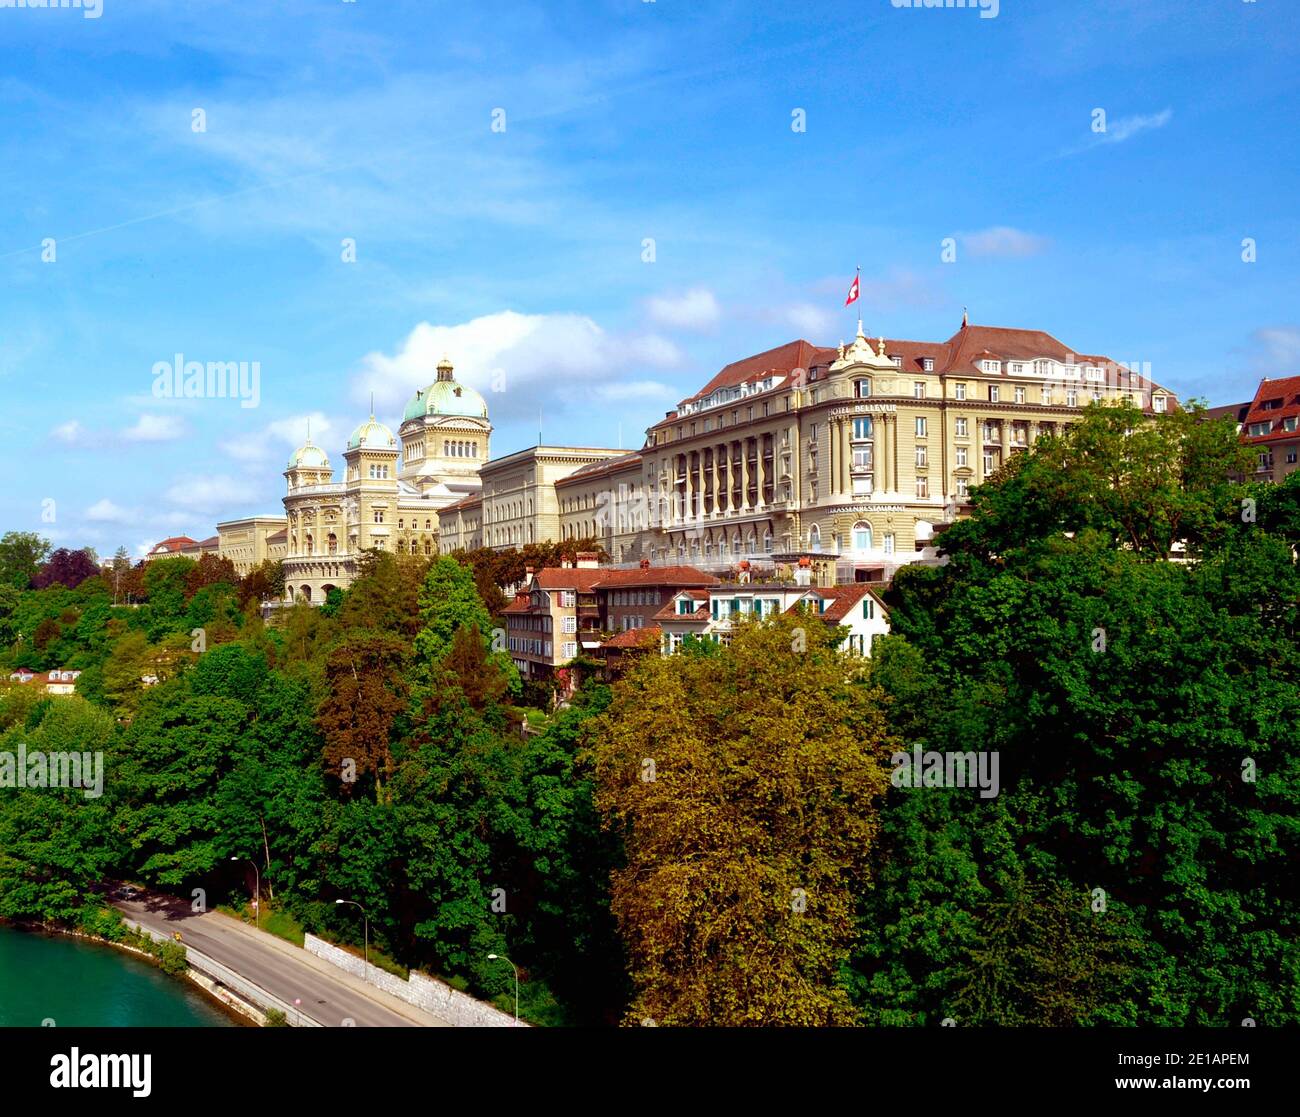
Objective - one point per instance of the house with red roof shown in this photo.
(1271, 427)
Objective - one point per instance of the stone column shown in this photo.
(744, 475)
(718, 480)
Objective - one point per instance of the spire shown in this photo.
(372, 407)
(965, 318)
(308, 430)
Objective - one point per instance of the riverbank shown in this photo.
(225, 1008)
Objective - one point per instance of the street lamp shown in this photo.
(257, 892)
(493, 958)
(366, 917)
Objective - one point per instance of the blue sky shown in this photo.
(520, 251)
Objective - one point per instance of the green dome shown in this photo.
(372, 435)
(445, 397)
(308, 456)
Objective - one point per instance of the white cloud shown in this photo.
(106, 512)
(519, 362)
(696, 309)
(637, 390)
(811, 321)
(155, 428)
(270, 443)
(207, 494)
(1275, 351)
(1129, 126)
(1002, 240)
(70, 432)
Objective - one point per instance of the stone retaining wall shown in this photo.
(437, 997)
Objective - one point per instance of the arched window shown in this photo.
(749, 543)
(332, 543)
(861, 536)
(446, 448)
(814, 538)
(428, 546)
(767, 542)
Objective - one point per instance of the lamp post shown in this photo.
(366, 917)
(502, 957)
(257, 891)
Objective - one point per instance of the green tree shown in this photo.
(745, 788)
(21, 556)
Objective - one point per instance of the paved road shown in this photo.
(327, 995)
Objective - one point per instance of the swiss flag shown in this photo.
(853, 290)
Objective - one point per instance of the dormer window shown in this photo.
(1043, 368)
(1158, 403)
(928, 364)
(898, 361)
(991, 366)
(1017, 368)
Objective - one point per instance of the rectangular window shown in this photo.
(567, 598)
(570, 650)
(918, 389)
(920, 455)
(928, 364)
(920, 425)
(922, 488)
(1047, 394)
(961, 455)
(1159, 405)
(1020, 395)
(861, 428)
(993, 393)
(963, 487)
(1071, 397)
(988, 464)
(889, 544)
(959, 391)
(962, 429)
(570, 624)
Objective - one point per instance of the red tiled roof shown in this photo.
(175, 543)
(841, 600)
(656, 576)
(1236, 410)
(582, 578)
(669, 611)
(1285, 395)
(636, 638)
(599, 468)
(471, 501)
(956, 355)
(784, 358)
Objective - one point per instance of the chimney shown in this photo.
(586, 560)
